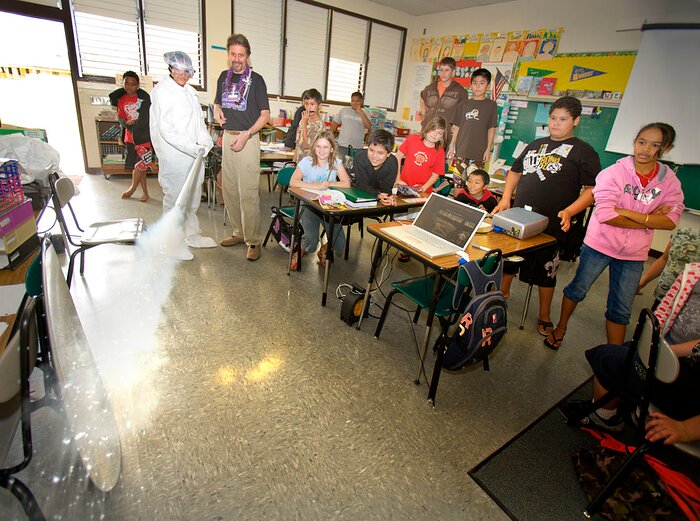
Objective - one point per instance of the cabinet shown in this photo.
(112, 152)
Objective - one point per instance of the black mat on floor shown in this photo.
(532, 476)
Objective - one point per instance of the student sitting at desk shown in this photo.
(476, 193)
(425, 157)
(375, 168)
(321, 170)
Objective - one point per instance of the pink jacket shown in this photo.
(618, 186)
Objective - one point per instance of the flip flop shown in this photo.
(556, 344)
(544, 327)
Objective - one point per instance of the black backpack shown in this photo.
(281, 229)
(484, 319)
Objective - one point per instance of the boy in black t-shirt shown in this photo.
(550, 175)
(375, 168)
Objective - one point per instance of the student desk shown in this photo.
(278, 155)
(335, 217)
(443, 267)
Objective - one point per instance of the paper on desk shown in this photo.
(10, 298)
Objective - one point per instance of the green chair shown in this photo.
(420, 291)
(284, 176)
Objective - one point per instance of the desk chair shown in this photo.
(124, 231)
(662, 366)
(16, 364)
(284, 212)
(448, 308)
(283, 177)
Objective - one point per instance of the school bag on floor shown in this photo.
(483, 321)
(281, 229)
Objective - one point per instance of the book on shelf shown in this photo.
(546, 86)
(523, 86)
(535, 87)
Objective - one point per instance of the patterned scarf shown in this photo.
(235, 95)
(675, 299)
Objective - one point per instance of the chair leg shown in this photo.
(347, 244)
(416, 316)
(385, 312)
(361, 224)
(526, 305)
(25, 497)
(71, 267)
(610, 486)
(82, 262)
(267, 237)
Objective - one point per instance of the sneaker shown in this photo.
(183, 254)
(575, 408)
(253, 253)
(231, 241)
(197, 241)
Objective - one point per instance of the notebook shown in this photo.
(444, 226)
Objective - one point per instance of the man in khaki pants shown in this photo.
(242, 108)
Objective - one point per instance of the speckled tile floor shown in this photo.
(246, 399)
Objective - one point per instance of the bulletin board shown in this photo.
(608, 72)
(521, 126)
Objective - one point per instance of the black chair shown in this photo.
(661, 365)
(16, 364)
(124, 231)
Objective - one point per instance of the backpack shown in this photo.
(484, 320)
(281, 229)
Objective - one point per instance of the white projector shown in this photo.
(520, 223)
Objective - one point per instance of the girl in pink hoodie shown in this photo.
(633, 197)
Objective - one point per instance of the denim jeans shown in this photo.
(311, 223)
(624, 280)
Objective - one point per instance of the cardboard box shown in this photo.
(13, 240)
(12, 219)
(14, 259)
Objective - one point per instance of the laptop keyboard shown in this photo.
(428, 238)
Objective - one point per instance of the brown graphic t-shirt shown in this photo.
(474, 119)
(443, 105)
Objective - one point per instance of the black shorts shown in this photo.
(131, 156)
(538, 268)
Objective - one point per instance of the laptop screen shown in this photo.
(449, 219)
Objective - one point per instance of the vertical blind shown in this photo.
(347, 56)
(385, 46)
(110, 39)
(305, 55)
(257, 21)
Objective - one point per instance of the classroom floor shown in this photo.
(251, 401)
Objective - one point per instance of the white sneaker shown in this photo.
(197, 241)
(182, 254)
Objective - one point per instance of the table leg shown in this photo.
(373, 270)
(295, 238)
(429, 323)
(329, 258)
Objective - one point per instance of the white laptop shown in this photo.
(444, 226)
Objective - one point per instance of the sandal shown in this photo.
(556, 342)
(322, 255)
(404, 257)
(544, 327)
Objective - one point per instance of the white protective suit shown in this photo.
(177, 133)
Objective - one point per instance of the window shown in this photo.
(305, 55)
(321, 47)
(258, 24)
(346, 65)
(118, 35)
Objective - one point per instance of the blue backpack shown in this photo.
(484, 320)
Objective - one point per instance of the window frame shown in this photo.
(141, 25)
(331, 11)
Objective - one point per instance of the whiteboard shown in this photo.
(664, 86)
